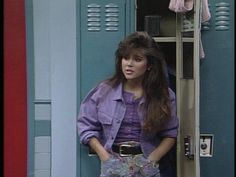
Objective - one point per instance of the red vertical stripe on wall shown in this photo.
(15, 93)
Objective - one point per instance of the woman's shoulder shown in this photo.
(104, 86)
(99, 90)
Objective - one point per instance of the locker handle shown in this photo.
(188, 147)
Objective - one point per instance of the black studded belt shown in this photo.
(127, 149)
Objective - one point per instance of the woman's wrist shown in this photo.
(104, 156)
(153, 158)
(99, 149)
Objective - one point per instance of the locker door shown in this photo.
(102, 24)
(217, 72)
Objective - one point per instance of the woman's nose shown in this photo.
(130, 62)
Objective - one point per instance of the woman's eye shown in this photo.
(138, 59)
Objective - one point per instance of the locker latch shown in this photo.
(188, 147)
(206, 145)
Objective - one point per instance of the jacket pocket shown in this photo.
(104, 118)
(106, 122)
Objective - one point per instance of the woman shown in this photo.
(130, 119)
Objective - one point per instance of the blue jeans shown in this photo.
(131, 166)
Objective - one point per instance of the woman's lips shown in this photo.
(129, 71)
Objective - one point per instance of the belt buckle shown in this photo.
(120, 150)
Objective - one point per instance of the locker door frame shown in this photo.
(187, 167)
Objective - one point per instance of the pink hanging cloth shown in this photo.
(205, 15)
(181, 5)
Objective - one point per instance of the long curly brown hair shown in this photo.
(155, 84)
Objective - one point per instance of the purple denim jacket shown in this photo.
(101, 114)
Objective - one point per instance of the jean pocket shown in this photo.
(151, 170)
(114, 167)
(147, 167)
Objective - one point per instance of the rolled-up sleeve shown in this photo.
(88, 125)
(171, 129)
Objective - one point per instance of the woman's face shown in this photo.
(134, 66)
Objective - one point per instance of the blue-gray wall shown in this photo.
(52, 100)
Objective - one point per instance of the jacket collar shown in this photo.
(118, 94)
